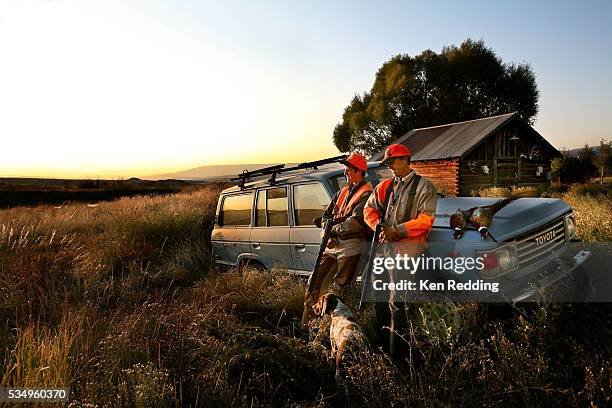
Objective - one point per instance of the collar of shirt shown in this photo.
(355, 187)
(404, 180)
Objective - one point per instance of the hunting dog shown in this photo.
(344, 330)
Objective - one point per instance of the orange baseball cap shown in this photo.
(356, 160)
(395, 150)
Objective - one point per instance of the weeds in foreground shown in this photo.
(120, 302)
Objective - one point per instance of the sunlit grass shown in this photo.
(121, 303)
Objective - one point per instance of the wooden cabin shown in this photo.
(460, 158)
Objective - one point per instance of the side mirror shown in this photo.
(317, 221)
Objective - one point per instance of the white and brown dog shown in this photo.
(344, 330)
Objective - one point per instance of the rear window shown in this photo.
(309, 202)
(236, 210)
(374, 175)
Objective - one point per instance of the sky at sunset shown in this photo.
(110, 88)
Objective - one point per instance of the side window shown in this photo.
(260, 213)
(236, 210)
(374, 175)
(309, 202)
(338, 182)
(278, 213)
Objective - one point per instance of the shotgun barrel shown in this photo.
(367, 273)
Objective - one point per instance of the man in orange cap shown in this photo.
(341, 257)
(406, 206)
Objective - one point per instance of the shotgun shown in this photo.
(315, 272)
(367, 273)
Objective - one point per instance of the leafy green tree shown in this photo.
(461, 83)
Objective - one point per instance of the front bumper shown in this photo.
(551, 278)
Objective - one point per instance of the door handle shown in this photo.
(300, 247)
(256, 245)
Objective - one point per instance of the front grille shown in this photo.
(541, 242)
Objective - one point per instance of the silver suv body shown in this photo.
(270, 224)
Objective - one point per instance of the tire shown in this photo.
(251, 264)
(580, 288)
(576, 287)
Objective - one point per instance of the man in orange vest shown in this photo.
(341, 257)
(408, 202)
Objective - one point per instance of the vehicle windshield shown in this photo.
(374, 175)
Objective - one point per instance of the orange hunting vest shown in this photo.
(345, 208)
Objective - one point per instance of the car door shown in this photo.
(270, 234)
(231, 238)
(309, 201)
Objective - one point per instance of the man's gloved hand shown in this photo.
(332, 243)
(389, 233)
(336, 230)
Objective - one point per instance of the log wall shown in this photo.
(473, 175)
(502, 172)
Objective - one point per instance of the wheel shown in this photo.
(579, 285)
(251, 264)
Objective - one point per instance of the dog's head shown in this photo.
(325, 305)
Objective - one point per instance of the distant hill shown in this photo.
(576, 151)
(209, 173)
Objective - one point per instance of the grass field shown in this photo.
(16, 192)
(121, 303)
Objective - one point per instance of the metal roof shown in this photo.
(447, 141)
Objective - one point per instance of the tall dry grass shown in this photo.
(591, 204)
(121, 303)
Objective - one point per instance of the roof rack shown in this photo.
(280, 168)
(245, 175)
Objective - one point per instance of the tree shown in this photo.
(565, 152)
(573, 169)
(461, 83)
(587, 153)
(604, 159)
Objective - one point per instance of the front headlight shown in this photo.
(507, 259)
(570, 226)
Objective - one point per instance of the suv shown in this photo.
(271, 222)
